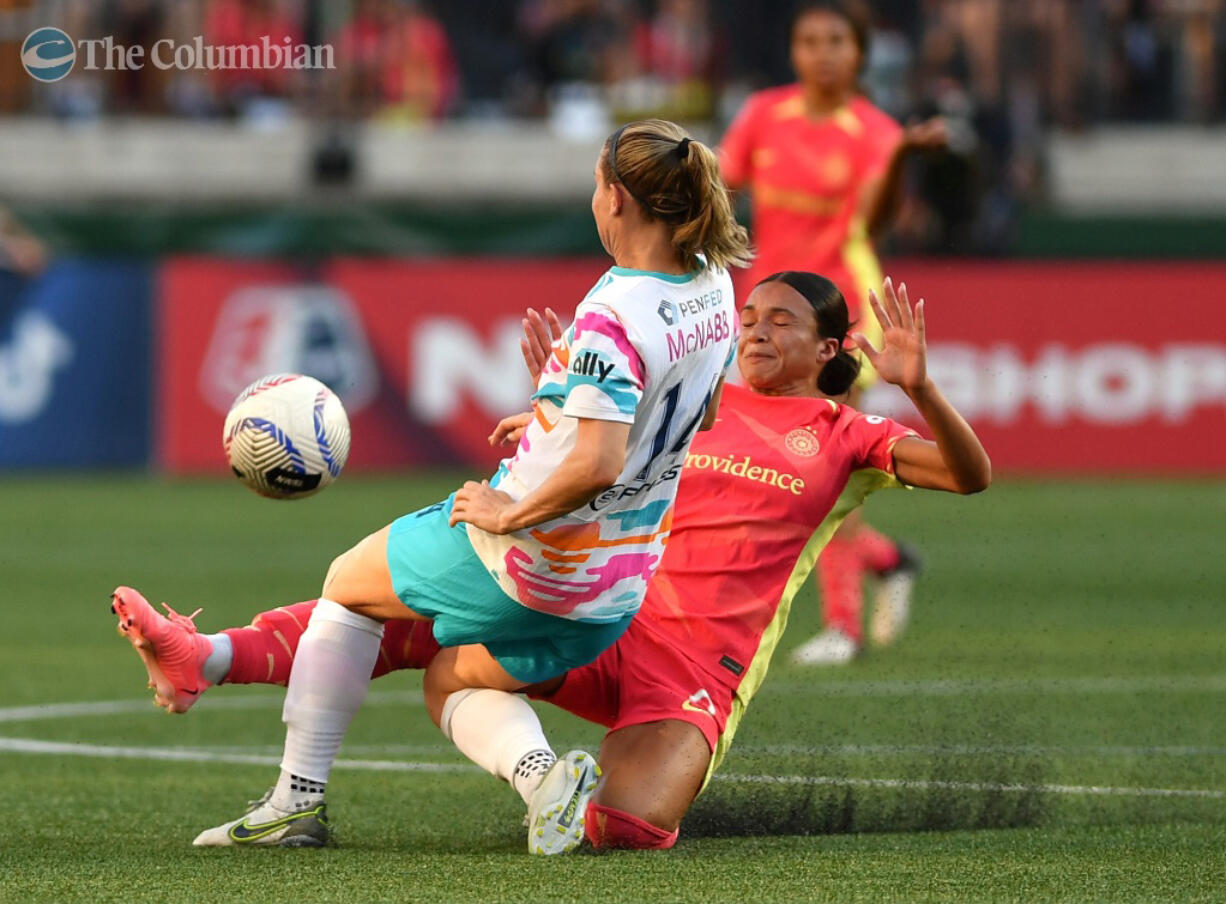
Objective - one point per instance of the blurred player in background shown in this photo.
(541, 568)
(762, 491)
(823, 168)
(20, 252)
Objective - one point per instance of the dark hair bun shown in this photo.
(838, 374)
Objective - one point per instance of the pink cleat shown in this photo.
(171, 649)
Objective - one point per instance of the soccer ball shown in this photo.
(286, 436)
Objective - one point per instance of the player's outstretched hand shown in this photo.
(510, 429)
(540, 333)
(480, 505)
(903, 357)
(930, 135)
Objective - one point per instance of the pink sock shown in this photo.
(877, 551)
(608, 828)
(406, 645)
(264, 650)
(840, 574)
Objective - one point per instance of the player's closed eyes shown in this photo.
(783, 320)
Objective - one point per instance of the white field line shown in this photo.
(51, 711)
(360, 750)
(191, 755)
(187, 755)
(740, 751)
(973, 750)
(234, 756)
(958, 687)
(897, 688)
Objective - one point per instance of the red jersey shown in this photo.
(760, 495)
(805, 177)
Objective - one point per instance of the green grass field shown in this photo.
(1051, 728)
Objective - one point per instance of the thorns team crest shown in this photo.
(802, 441)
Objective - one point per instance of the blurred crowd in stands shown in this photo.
(1003, 72)
(1064, 61)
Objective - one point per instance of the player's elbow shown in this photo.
(600, 468)
(608, 468)
(977, 479)
(599, 456)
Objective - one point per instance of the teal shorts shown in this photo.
(436, 573)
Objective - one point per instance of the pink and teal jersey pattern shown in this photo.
(645, 349)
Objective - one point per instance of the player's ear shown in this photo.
(617, 198)
(826, 350)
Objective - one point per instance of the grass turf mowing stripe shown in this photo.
(959, 687)
(900, 688)
(994, 787)
(177, 754)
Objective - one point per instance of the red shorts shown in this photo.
(645, 678)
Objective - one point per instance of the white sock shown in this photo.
(500, 733)
(293, 792)
(217, 666)
(327, 685)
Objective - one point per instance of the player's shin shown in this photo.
(263, 651)
(840, 573)
(501, 733)
(330, 677)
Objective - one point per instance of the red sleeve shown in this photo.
(736, 150)
(872, 439)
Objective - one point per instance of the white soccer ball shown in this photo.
(286, 436)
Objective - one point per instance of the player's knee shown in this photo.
(333, 570)
(611, 829)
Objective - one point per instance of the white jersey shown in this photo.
(646, 349)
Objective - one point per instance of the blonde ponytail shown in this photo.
(677, 179)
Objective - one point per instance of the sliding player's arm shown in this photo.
(957, 461)
(540, 334)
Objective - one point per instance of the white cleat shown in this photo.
(831, 647)
(892, 602)
(557, 812)
(265, 824)
(891, 608)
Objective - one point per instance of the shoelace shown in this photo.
(253, 804)
(183, 621)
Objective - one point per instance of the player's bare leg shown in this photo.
(652, 773)
(361, 581)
